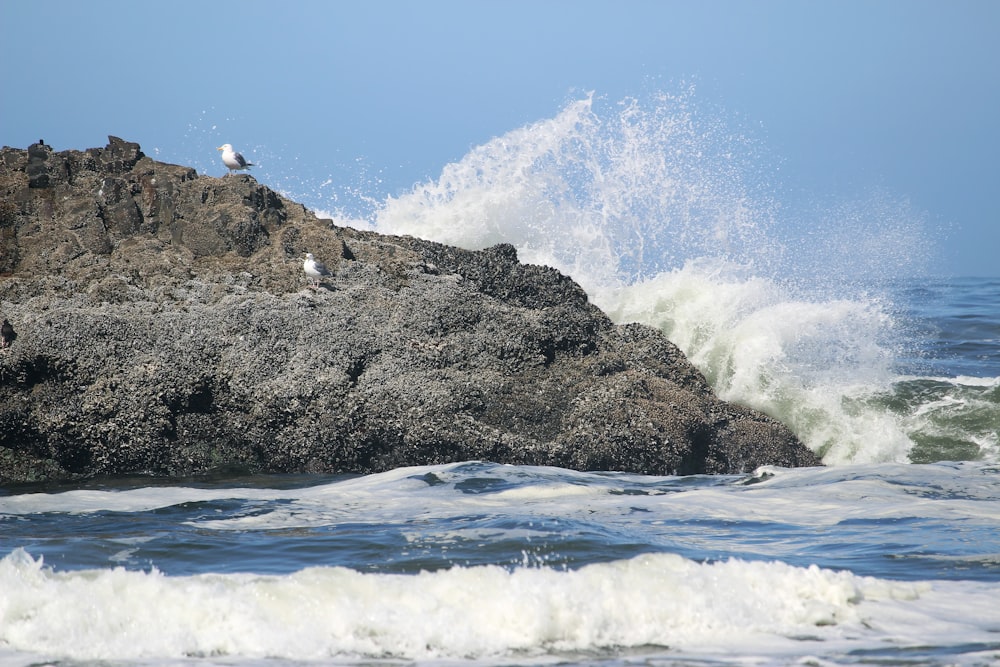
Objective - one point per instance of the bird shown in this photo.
(316, 270)
(232, 159)
(7, 334)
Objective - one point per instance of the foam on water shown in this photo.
(655, 600)
(945, 491)
(808, 361)
(746, 567)
(473, 513)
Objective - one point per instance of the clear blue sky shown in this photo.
(848, 95)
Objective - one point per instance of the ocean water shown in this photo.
(832, 320)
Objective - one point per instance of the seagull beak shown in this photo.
(219, 148)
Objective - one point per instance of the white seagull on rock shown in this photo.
(316, 270)
(232, 159)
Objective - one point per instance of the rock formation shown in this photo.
(165, 326)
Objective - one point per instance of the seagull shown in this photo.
(232, 159)
(7, 334)
(315, 270)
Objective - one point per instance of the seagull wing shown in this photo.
(321, 268)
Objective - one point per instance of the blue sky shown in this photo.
(847, 96)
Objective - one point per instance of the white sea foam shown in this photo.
(808, 497)
(479, 612)
(810, 362)
(404, 493)
(656, 604)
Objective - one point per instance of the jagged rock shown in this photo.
(165, 327)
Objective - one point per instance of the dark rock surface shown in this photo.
(165, 327)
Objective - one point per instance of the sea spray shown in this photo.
(659, 212)
(811, 363)
(607, 195)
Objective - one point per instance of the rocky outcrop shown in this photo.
(165, 327)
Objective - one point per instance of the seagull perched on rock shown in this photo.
(232, 159)
(316, 270)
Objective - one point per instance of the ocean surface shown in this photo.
(832, 320)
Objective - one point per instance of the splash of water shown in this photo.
(808, 362)
(662, 215)
(609, 196)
